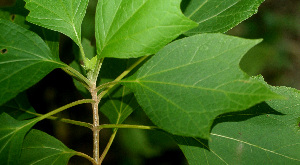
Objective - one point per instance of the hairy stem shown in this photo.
(79, 75)
(95, 123)
(111, 139)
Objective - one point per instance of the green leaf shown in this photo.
(63, 16)
(24, 60)
(17, 14)
(131, 28)
(12, 133)
(120, 102)
(19, 107)
(191, 81)
(259, 135)
(41, 148)
(218, 15)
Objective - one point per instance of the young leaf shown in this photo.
(63, 16)
(18, 108)
(218, 15)
(120, 102)
(260, 135)
(131, 28)
(12, 133)
(191, 81)
(41, 148)
(24, 60)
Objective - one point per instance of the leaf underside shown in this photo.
(191, 81)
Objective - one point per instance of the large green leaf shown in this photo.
(24, 60)
(218, 15)
(120, 102)
(41, 148)
(191, 81)
(64, 16)
(259, 135)
(17, 14)
(131, 28)
(12, 133)
(19, 107)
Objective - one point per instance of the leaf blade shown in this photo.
(125, 29)
(219, 16)
(26, 60)
(41, 148)
(65, 17)
(191, 81)
(266, 133)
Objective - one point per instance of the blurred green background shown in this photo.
(277, 58)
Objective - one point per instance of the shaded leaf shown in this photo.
(12, 133)
(24, 60)
(63, 16)
(19, 107)
(17, 14)
(259, 135)
(191, 81)
(130, 28)
(41, 148)
(120, 102)
(218, 15)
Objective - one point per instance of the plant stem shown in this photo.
(95, 123)
(127, 126)
(128, 70)
(69, 121)
(86, 156)
(64, 108)
(111, 139)
(79, 75)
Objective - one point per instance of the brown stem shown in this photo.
(95, 127)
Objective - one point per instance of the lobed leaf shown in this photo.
(24, 60)
(41, 148)
(12, 133)
(265, 134)
(130, 28)
(64, 16)
(218, 15)
(193, 80)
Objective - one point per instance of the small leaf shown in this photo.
(41, 148)
(19, 107)
(191, 81)
(63, 16)
(265, 134)
(131, 28)
(12, 133)
(27, 60)
(218, 15)
(120, 102)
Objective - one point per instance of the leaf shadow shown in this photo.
(257, 110)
